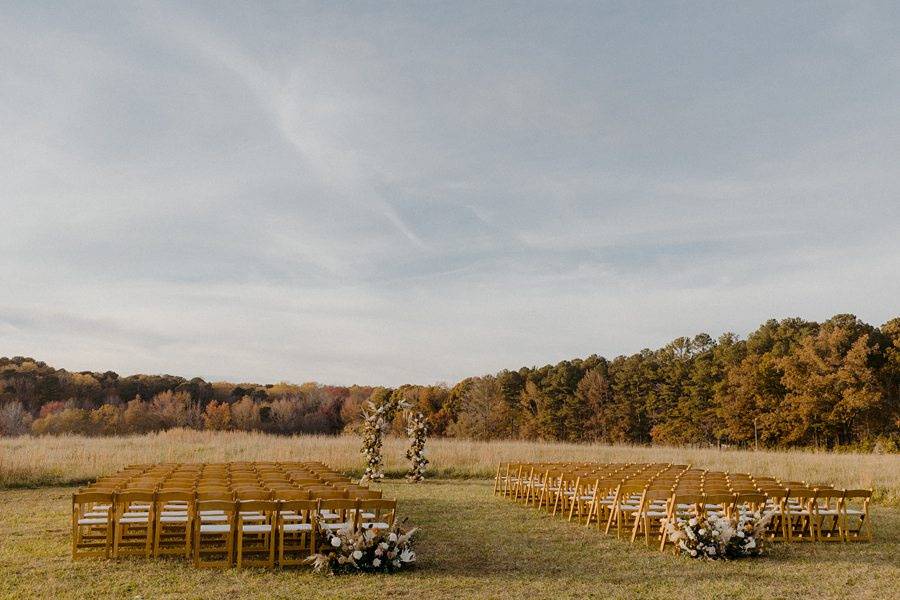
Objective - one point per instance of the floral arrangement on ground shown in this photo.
(716, 537)
(367, 551)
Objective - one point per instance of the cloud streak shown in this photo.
(377, 194)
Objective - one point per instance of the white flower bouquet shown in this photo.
(367, 551)
(714, 537)
(749, 534)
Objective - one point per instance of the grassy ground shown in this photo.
(471, 545)
(29, 461)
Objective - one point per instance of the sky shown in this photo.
(416, 192)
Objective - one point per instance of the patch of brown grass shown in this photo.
(35, 461)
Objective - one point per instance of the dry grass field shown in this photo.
(472, 545)
(30, 461)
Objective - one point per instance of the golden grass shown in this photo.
(471, 545)
(30, 461)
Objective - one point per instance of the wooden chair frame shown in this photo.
(256, 539)
(92, 529)
(214, 538)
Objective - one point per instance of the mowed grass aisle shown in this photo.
(471, 545)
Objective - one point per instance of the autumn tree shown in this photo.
(831, 382)
(245, 414)
(14, 419)
(484, 412)
(217, 416)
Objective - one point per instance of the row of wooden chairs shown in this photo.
(153, 511)
(639, 496)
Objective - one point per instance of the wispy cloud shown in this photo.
(382, 194)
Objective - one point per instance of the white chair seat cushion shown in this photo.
(655, 514)
(204, 513)
(173, 519)
(133, 520)
(253, 518)
(213, 518)
(215, 528)
(102, 507)
(96, 513)
(336, 526)
(291, 517)
(628, 508)
(92, 521)
(378, 525)
(134, 514)
(853, 511)
(295, 527)
(828, 511)
(256, 528)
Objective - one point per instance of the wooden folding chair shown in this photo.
(256, 540)
(513, 484)
(718, 503)
(776, 500)
(682, 505)
(563, 491)
(580, 496)
(825, 515)
(92, 524)
(134, 524)
(799, 518)
(214, 537)
(625, 506)
(856, 524)
(652, 509)
(364, 494)
(173, 523)
(338, 513)
(377, 514)
(297, 531)
(500, 478)
(602, 501)
(748, 502)
(527, 485)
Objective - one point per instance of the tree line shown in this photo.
(790, 383)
